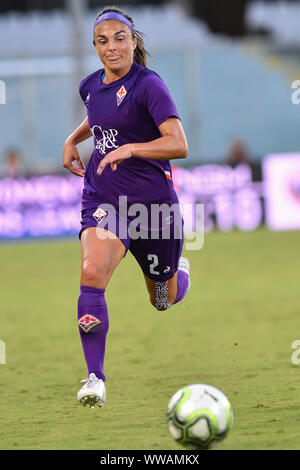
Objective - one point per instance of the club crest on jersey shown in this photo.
(99, 214)
(87, 322)
(121, 95)
(88, 99)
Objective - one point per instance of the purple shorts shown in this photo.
(155, 244)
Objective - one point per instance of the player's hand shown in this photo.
(114, 158)
(71, 159)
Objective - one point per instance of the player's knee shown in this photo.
(93, 274)
(162, 307)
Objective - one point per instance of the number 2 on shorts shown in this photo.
(154, 259)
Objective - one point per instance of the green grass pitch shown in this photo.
(234, 332)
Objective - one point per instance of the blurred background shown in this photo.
(232, 68)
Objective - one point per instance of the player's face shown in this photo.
(114, 45)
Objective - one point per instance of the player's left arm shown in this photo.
(172, 144)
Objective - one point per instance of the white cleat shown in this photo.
(93, 393)
(184, 266)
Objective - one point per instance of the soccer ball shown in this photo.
(199, 416)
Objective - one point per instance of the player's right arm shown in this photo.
(71, 158)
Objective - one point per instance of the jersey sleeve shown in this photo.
(155, 97)
(86, 84)
(81, 89)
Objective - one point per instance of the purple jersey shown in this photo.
(128, 110)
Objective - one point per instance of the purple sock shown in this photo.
(93, 325)
(182, 285)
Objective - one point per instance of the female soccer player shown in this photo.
(136, 131)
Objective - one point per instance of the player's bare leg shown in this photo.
(164, 294)
(101, 253)
(100, 256)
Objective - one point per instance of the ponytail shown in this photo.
(140, 53)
